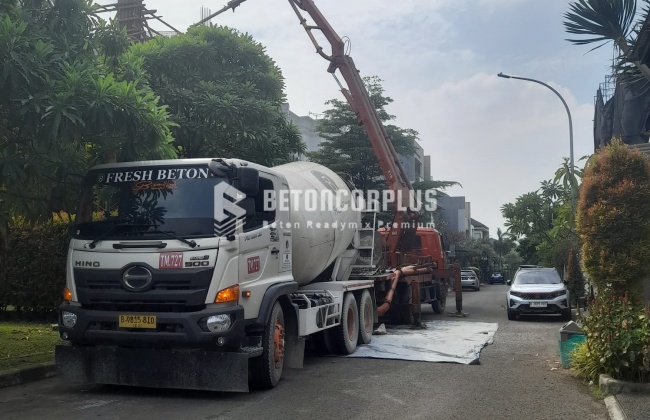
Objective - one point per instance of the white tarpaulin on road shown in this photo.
(442, 341)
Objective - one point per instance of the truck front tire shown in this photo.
(266, 370)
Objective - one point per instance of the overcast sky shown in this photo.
(439, 60)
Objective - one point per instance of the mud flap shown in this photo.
(155, 368)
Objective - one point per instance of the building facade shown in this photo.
(456, 214)
(479, 230)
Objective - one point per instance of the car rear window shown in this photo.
(538, 277)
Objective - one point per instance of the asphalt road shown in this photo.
(519, 378)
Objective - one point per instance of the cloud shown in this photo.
(499, 138)
(439, 59)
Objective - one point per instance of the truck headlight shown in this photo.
(218, 323)
(68, 319)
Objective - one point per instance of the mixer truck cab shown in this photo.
(192, 273)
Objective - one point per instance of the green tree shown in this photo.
(614, 217)
(545, 217)
(62, 109)
(478, 253)
(346, 147)
(570, 181)
(527, 249)
(602, 21)
(512, 260)
(224, 92)
(502, 245)
(531, 215)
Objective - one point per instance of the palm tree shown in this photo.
(502, 245)
(604, 21)
(550, 191)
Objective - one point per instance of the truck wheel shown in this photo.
(366, 318)
(347, 334)
(266, 369)
(441, 299)
(324, 342)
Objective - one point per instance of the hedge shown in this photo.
(34, 273)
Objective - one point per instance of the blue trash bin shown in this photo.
(570, 336)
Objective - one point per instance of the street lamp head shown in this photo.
(505, 76)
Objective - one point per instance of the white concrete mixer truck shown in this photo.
(189, 273)
(212, 273)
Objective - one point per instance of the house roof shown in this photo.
(478, 224)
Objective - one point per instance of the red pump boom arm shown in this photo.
(404, 225)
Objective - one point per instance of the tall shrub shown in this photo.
(614, 218)
(618, 339)
(575, 277)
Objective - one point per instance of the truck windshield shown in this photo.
(147, 202)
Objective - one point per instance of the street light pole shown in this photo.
(507, 76)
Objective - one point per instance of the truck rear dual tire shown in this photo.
(366, 318)
(346, 335)
(266, 370)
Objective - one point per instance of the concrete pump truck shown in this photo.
(180, 275)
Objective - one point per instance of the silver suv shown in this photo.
(538, 290)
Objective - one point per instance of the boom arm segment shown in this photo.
(357, 96)
(403, 230)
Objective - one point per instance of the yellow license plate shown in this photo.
(137, 321)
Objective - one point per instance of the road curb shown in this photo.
(614, 409)
(612, 386)
(11, 377)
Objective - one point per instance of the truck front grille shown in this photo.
(170, 290)
(162, 284)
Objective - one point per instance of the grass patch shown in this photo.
(23, 344)
(596, 392)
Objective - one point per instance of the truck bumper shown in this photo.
(173, 329)
(156, 368)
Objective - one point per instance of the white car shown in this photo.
(468, 278)
(538, 291)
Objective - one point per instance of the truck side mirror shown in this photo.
(248, 180)
(508, 282)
